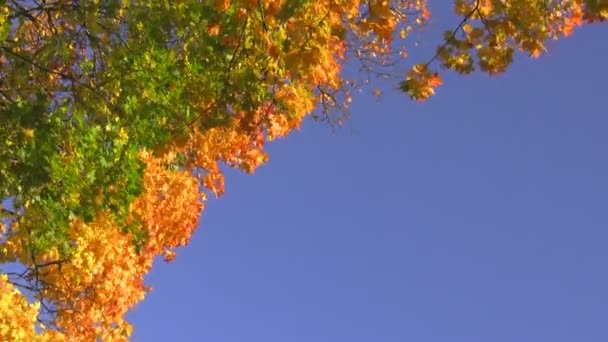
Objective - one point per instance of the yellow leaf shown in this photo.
(28, 133)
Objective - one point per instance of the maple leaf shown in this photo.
(113, 135)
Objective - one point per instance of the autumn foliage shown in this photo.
(117, 116)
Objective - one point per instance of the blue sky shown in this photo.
(480, 215)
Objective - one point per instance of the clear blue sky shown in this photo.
(481, 215)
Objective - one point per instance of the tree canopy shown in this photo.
(115, 117)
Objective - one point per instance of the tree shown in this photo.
(116, 115)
